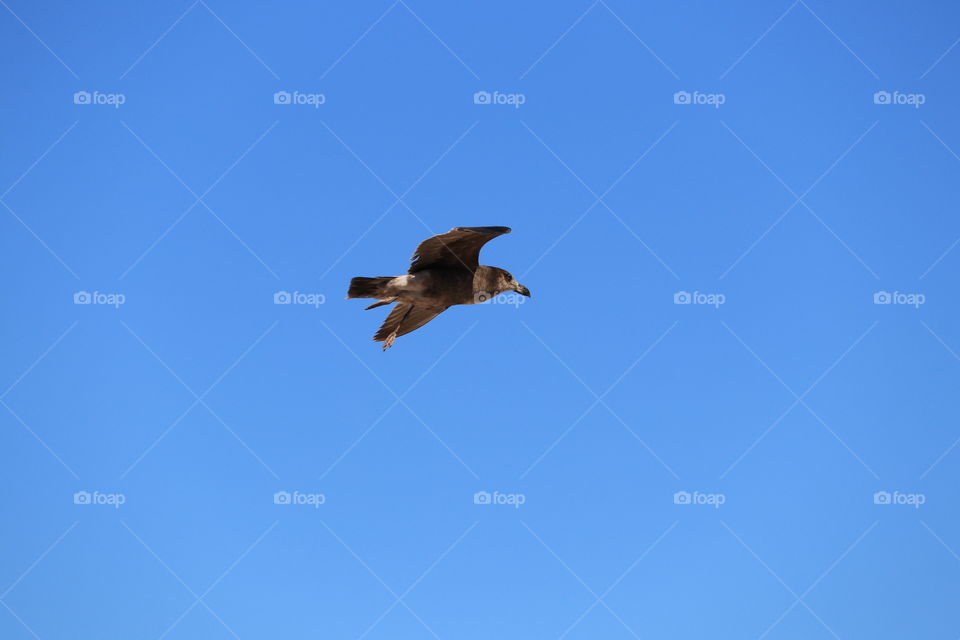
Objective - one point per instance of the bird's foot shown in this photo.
(389, 341)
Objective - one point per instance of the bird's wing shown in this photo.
(457, 248)
(396, 322)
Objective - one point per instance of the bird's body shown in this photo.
(440, 287)
(444, 272)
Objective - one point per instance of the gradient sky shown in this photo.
(149, 171)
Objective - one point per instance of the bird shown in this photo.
(445, 270)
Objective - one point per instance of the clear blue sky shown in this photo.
(147, 164)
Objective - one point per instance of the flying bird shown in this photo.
(445, 270)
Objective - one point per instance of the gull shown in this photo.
(445, 270)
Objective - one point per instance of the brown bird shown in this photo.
(445, 270)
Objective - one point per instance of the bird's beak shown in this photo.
(522, 290)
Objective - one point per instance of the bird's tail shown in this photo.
(369, 287)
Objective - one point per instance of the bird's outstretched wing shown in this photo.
(403, 319)
(457, 248)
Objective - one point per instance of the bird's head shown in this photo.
(506, 282)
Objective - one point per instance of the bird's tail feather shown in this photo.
(368, 287)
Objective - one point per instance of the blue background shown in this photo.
(198, 398)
